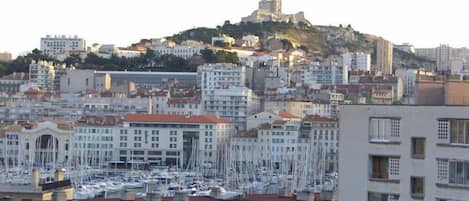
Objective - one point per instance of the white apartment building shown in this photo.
(160, 101)
(222, 75)
(233, 103)
(174, 140)
(10, 145)
(308, 144)
(93, 140)
(316, 75)
(357, 61)
(184, 106)
(183, 51)
(42, 75)
(321, 136)
(121, 105)
(403, 153)
(300, 108)
(52, 46)
(128, 53)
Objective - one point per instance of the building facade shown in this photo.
(5, 56)
(316, 75)
(403, 152)
(74, 81)
(222, 75)
(52, 46)
(174, 140)
(358, 61)
(42, 75)
(384, 56)
(234, 104)
(443, 58)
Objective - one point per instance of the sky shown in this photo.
(423, 23)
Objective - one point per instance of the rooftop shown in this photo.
(317, 118)
(174, 118)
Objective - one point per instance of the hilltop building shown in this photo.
(271, 11)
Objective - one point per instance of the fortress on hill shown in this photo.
(271, 11)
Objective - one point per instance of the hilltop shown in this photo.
(320, 40)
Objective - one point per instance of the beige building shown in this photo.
(299, 107)
(405, 153)
(5, 56)
(384, 54)
(74, 81)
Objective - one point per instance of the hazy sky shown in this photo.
(424, 23)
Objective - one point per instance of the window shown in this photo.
(418, 148)
(459, 172)
(443, 130)
(379, 167)
(442, 170)
(372, 196)
(459, 131)
(384, 167)
(381, 129)
(417, 187)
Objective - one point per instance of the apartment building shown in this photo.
(52, 46)
(299, 107)
(357, 61)
(185, 51)
(174, 140)
(42, 75)
(401, 152)
(93, 140)
(234, 104)
(444, 56)
(282, 143)
(384, 56)
(222, 75)
(318, 74)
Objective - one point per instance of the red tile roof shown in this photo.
(286, 115)
(174, 118)
(317, 118)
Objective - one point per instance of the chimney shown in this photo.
(59, 196)
(153, 196)
(128, 195)
(181, 196)
(59, 175)
(35, 178)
